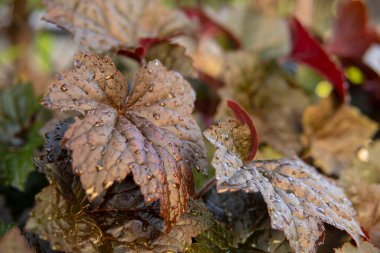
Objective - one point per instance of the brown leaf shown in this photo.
(334, 134)
(104, 25)
(364, 248)
(299, 199)
(146, 130)
(260, 87)
(173, 57)
(362, 184)
(14, 242)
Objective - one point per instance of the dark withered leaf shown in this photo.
(122, 223)
(246, 216)
(299, 200)
(14, 242)
(55, 163)
(105, 25)
(334, 134)
(64, 224)
(148, 131)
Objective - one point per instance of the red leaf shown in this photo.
(308, 51)
(209, 26)
(243, 117)
(352, 35)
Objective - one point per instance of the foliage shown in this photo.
(126, 165)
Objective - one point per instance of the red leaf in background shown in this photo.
(352, 35)
(209, 26)
(243, 117)
(307, 50)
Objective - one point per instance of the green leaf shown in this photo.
(20, 121)
(4, 227)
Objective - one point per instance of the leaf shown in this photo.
(334, 134)
(13, 242)
(259, 87)
(245, 215)
(299, 200)
(364, 248)
(4, 227)
(122, 223)
(352, 34)
(362, 184)
(173, 57)
(104, 25)
(20, 121)
(253, 28)
(306, 50)
(146, 130)
(55, 162)
(65, 225)
(244, 118)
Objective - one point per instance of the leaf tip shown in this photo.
(244, 118)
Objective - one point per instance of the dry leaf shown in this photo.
(362, 184)
(364, 248)
(173, 57)
(334, 134)
(104, 25)
(260, 88)
(14, 242)
(146, 130)
(299, 199)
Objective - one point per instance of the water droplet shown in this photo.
(156, 116)
(156, 62)
(149, 177)
(64, 87)
(137, 152)
(107, 185)
(147, 104)
(176, 103)
(175, 185)
(59, 77)
(109, 77)
(150, 88)
(99, 168)
(321, 210)
(180, 118)
(77, 64)
(118, 161)
(101, 70)
(99, 123)
(76, 78)
(161, 104)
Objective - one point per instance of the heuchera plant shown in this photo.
(122, 167)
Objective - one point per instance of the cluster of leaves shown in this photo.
(121, 167)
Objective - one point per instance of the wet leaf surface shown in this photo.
(146, 130)
(299, 200)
